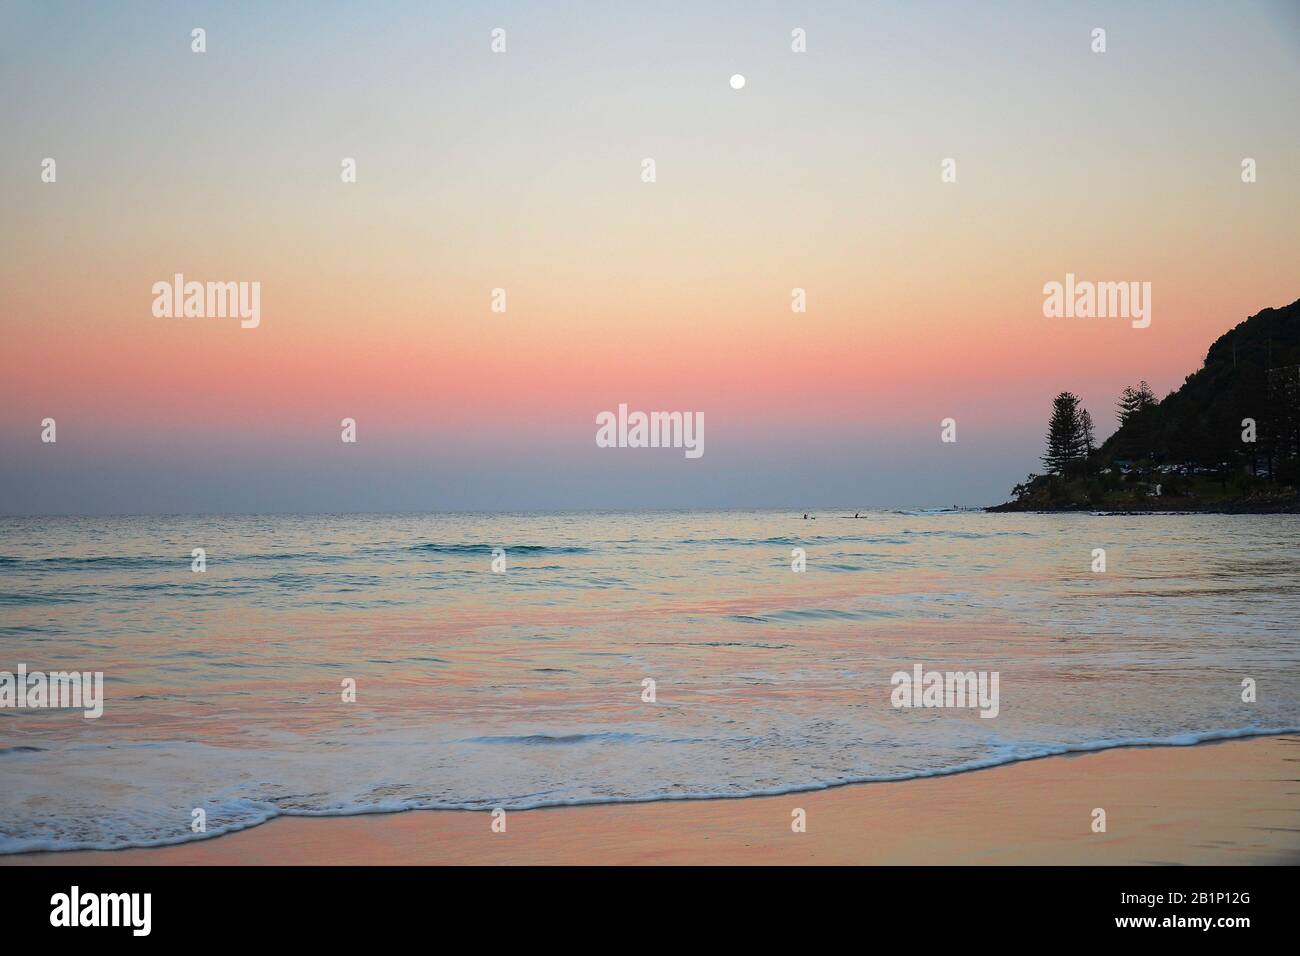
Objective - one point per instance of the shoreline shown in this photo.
(1289, 507)
(1223, 801)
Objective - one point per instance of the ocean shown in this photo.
(225, 689)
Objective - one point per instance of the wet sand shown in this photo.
(1235, 802)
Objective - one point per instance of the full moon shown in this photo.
(737, 81)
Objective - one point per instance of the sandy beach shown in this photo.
(1235, 802)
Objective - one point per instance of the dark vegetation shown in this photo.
(1228, 439)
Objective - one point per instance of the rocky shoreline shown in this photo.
(1289, 504)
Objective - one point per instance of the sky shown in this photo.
(522, 170)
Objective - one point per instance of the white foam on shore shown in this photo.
(259, 812)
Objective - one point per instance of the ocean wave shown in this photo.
(123, 562)
(256, 812)
(828, 614)
(486, 549)
(20, 600)
(542, 740)
(146, 562)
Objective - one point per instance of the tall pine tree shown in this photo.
(1087, 437)
(1133, 400)
(1066, 441)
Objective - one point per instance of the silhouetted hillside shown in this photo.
(1250, 372)
(1227, 439)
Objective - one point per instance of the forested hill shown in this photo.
(1249, 372)
(1228, 439)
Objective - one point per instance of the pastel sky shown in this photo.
(522, 170)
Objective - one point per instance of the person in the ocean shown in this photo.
(805, 516)
(856, 515)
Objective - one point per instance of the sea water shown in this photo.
(224, 690)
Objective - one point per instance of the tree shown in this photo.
(1025, 489)
(1088, 435)
(1066, 443)
(1133, 400)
